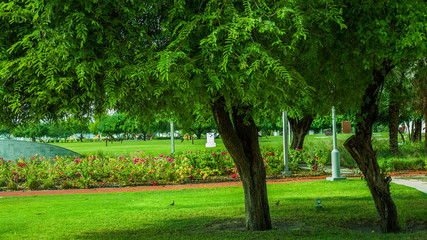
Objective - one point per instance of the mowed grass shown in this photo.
(164, 146)
(154, 147)
(212, 213)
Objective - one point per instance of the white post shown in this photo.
(285, 143)
(172, 139)
(335, 155)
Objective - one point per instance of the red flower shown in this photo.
(315, 167)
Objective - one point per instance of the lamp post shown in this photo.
(285, 143)
(335, 155)
(172, 139)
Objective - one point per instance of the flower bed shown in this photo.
(139, 169)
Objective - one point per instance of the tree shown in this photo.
(77, 126)
(380, 36)
(5, 131)
(418, 85)
(199, 121)
(82, 57)
(59, 130)
(32, 131)
(111, 125)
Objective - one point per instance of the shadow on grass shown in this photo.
(234, 229)
(339, 219)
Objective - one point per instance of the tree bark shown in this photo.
(393, 117)
(360, 148)
(416, 133)
(300, 128)
(425, 132)
(240, 136)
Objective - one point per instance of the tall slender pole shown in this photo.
(285, 143)
(172, 139)
(335, 154)
(289, 131)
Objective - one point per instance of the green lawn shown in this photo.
(216, 213)
(164, 146)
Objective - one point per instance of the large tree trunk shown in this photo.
(360, 148)
(416, 133)
(393, 117)
(240, 136)
(300, 128)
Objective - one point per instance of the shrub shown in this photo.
(12, 186)
(33, 184)
(67, 184)
(3, 182)
(49, 183)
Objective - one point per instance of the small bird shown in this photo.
(277, 204)
(173, 203)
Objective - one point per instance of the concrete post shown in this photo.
(172, 139)
(285, 143)
(335, 154)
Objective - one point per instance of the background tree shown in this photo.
(418, 86)
(77, 126)
(111, 126)
(5, 131)
(33, 131)
(59, 131)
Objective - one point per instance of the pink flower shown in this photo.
(265, 167)
(154, 183)
(161, 155)
(234, 175)
(223, 153)
(214, 154)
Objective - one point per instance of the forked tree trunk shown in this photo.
(240, 136)
(300, 128)
(393, 118)
(360, 148)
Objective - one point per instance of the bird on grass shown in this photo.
(173, 203)
(277, 203)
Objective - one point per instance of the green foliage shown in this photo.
(12, 186)
(33, 183)
(31, 131)
(67, 184)
(49, 183)
(3, 182)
